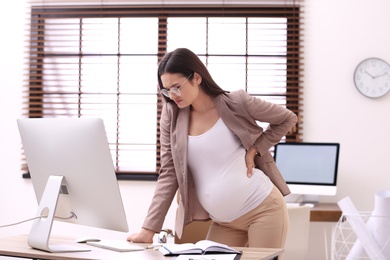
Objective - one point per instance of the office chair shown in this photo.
(193, 232)
(297, 241)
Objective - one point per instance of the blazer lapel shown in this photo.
(231, 121)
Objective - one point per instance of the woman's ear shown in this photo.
(197, 78)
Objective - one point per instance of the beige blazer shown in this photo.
(239, 111)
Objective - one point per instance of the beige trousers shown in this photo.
(264, 226)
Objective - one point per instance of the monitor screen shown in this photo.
(309, 168)
(72, 174)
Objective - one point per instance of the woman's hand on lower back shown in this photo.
(250, 160)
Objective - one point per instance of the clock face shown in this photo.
(372, 77)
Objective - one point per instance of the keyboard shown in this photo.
(116, 245)
(293, 204)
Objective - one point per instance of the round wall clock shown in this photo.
(372, 77)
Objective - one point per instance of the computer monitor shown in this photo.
(73, 177)
(310, 169)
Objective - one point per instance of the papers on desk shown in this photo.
(116, 245)
(207, 257)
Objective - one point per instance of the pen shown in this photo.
(200, 259)
(151, 246)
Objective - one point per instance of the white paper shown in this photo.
(360, 229)
(207, 257)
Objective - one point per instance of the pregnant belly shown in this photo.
(226, 197)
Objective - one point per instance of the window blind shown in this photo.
(101, 61)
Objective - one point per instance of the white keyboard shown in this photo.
(117, 245)
(293, 204)
(298, 204)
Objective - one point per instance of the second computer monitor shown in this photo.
(309, 168)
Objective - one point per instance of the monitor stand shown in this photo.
(311, 199)
(300, 199)
(41, 228)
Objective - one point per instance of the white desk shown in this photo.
(16, 246)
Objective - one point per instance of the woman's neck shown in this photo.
(202, 104)
(203, 115)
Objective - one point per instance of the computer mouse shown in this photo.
(87, 239)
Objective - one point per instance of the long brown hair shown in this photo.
(186, 62)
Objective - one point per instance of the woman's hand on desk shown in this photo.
(144, 236)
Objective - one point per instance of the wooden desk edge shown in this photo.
(16, 246)
(325, 212)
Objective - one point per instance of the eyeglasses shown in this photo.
(174, 90)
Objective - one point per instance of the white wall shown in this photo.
(338, 35)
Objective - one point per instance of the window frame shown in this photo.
(294, 95)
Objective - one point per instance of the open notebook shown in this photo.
(201, 247)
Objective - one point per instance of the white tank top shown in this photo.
(217, 162)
